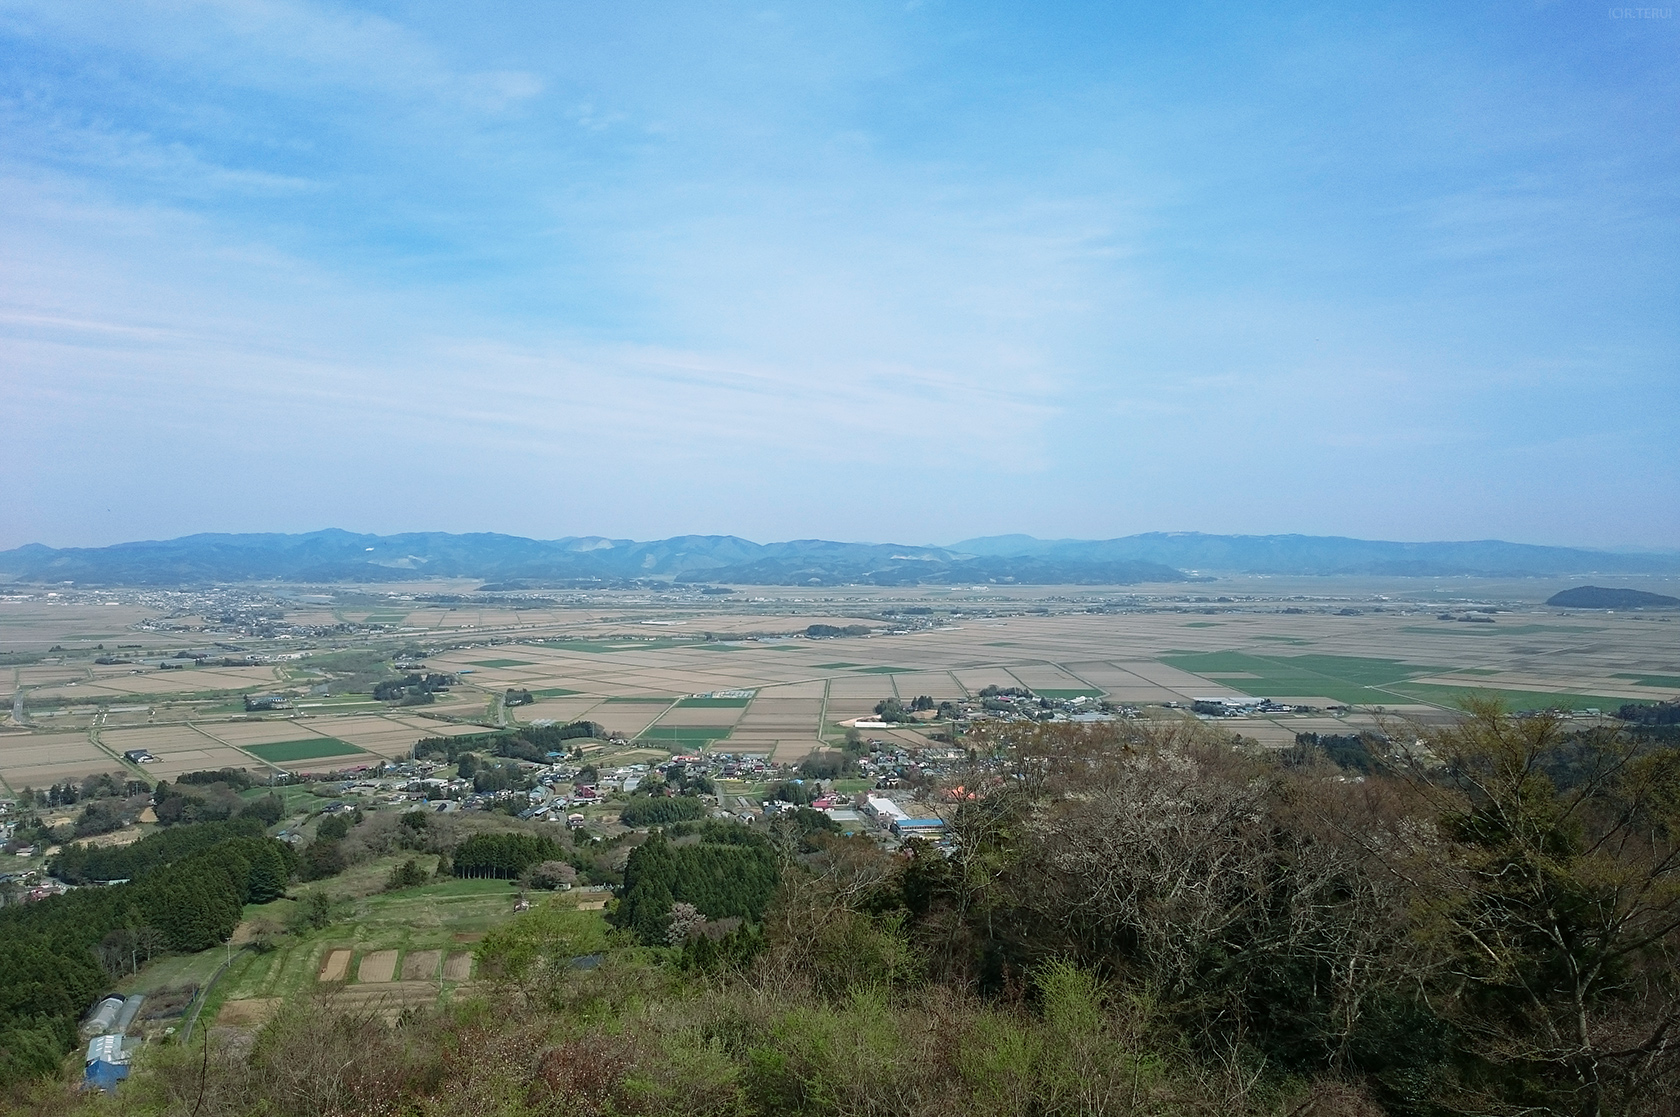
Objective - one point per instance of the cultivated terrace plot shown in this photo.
(336, 966)
(377, 965)
(422, 965)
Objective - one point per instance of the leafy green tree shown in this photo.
(268, 810)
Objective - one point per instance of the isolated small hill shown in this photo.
(1598, 597)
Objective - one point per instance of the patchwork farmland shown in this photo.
(1322, 643)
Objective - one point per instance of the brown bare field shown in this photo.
(115, 838)
(262, 732)
(425, 727)
(179, 748)
(386, 999)
(371, 732)
(1043, 676)
(377, 966)
(779, 715)
(421, 965)
(42, 759)
(46, 676)
(251, 1012)
(458, 966)
(629, 718)
(556, 709)
(336, 967)
(700, 716)
(35, 626)
(155, 737)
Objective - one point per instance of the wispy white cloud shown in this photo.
(853, 271)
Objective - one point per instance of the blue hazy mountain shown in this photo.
(1321, 554)
(343, 556)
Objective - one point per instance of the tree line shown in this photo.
(528, 742)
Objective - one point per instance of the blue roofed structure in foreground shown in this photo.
(107, 1062)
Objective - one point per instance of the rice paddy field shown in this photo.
(738, 675)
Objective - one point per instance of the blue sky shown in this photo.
(911, 272)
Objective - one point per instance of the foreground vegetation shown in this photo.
(1132, 919)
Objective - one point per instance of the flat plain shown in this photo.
(1345, 647)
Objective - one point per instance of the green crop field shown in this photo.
(1068, 692)
(1354, 680)
(883, 670)
(712, 703)
(296, 798)
(554, 692)
(1201, 624)
(502, 663)
(1664, 681)
(1360, 681)
(279, 752)
(833, 666)
(685, 734)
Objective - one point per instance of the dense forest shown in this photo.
(730, 871)
(185, 894)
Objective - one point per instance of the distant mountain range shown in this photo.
(1325, 554)
(342, 556)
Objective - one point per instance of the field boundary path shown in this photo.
(204, 996)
